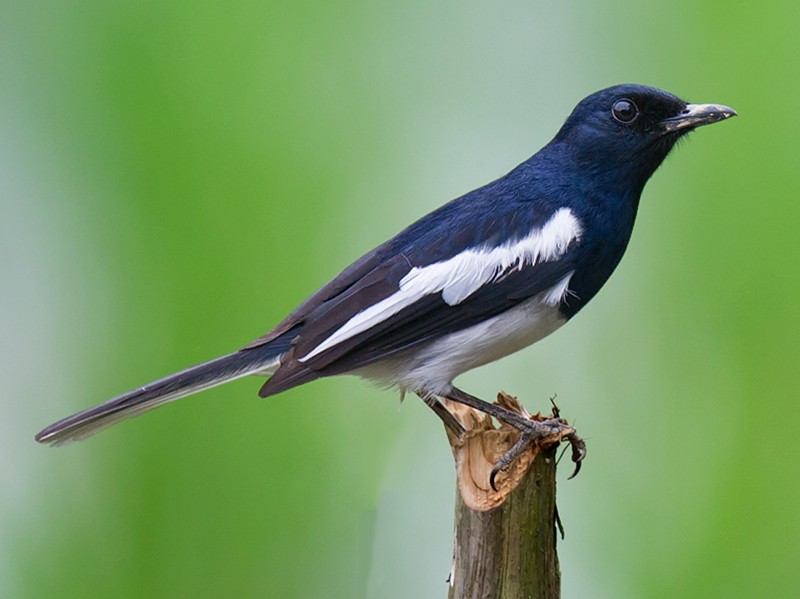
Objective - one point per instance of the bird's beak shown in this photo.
(695, 115)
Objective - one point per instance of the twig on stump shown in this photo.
(505, 539)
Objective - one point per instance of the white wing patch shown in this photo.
(459, 277)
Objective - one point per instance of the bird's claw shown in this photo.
(536, 432)
(578, 452)
(508, 457)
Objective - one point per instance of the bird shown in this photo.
(477, 279)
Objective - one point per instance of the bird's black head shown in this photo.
(628, 130)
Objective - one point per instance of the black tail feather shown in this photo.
(189, 381)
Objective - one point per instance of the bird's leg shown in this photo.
(518, 421)
(531, 431)
(450, 421)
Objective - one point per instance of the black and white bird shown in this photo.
(481, 277)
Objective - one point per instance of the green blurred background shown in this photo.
(176, 176)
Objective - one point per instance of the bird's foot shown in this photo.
(540, 432)
(533, 430)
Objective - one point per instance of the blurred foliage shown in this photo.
(176, 176)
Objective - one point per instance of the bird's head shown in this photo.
(629, 129)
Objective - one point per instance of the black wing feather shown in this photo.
(425, 320)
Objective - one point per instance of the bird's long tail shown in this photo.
(192, 380)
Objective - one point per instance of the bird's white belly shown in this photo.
(430, 368)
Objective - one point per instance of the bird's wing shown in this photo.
(436, 277)
(435, 237)
(431, 317)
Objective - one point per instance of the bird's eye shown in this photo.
(624, 110)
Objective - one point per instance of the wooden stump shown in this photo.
(505, 539)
